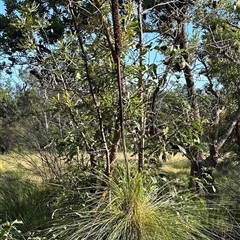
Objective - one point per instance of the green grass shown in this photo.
(149, 207)
(139, 210)
(23, 196)
(24, 200)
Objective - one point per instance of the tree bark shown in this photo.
(119, 126)
(196, 154)
(217, 144)
(141, 83)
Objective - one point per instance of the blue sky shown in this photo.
(1, 6)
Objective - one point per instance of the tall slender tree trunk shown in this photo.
(142, 117)
(196, 154)
(119, 125)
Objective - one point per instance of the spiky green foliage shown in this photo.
(140, 210)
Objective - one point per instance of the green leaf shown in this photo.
(182, 149)
(197, 126)
(202, 147)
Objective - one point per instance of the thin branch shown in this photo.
(90, 83)
(159, 5)
(221, 140)
(107, 33)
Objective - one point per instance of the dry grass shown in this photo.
(12, 162)
(129, 156)
(176, 164)
(27, 165)
(33, 167)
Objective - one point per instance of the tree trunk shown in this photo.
(141, 83)
(196, 154)
(217, 143)
(114, 148)
(119, 126)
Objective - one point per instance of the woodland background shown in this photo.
(120, 119)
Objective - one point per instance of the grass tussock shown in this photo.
(139, 210)
(25, 201)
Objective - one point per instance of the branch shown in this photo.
(159, 5)
(107, 34)
(228, 131)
